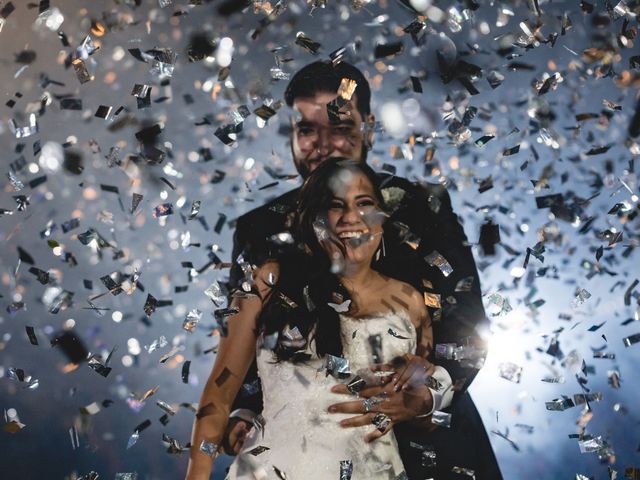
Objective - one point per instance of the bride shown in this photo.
(316, 317)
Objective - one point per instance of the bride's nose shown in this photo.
(350, 215)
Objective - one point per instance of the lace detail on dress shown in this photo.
(304, 441)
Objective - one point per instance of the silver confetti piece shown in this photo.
(258, 450)
(163, 210)
(282, 238)
(553, 379)
(214, 292)
(75, 441)
(356, 384)
(86, 48)
(631, 340)
(133, 439)
(346, 469)
(27, 131)
(442, 419)
(15, 182)
(591, 445)
(166, 407)
(436, 260)
(292, 338)
(559, 404)
(337, 367)
(126, 476)
(170, 354)
(81, 70)
(510, 371)
(307, 43)
(238, 116)
(51, 18)
(614, 378)
(582, 398)
(195, 209)
(580, 297)
(428, 458)
(464, 471)
(375, 342)
(89, 476)
(501, 302)
(381, 421)
(307, 299)
(269, 342)
(191, 321)
(278, 74)
(209, 448)
(465, 284)
(279, 473)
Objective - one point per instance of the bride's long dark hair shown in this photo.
(305, 284)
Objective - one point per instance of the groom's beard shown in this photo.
(303, 168)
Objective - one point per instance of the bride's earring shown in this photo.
(380, 254)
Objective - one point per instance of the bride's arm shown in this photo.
(235, 354)
(419, 371)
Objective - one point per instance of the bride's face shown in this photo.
(354, 218)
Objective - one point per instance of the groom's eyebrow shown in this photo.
(345, 122)
(304, 123)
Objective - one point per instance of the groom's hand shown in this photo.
(400, 399)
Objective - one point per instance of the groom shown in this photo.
(333, 120)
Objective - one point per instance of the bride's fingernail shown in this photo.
(332, 409)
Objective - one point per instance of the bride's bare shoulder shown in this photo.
(405, 297)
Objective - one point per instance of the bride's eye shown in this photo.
(335, 204)
(366, 203)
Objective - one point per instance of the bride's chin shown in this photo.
(356, 256)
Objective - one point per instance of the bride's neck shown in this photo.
(355, 278)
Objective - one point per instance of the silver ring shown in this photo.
(381, 421)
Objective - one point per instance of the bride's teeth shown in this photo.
(345, 235)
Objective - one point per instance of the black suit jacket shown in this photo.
(421, 214)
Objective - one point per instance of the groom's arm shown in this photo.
(461, 310)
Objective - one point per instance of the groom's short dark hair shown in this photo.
(324, 76)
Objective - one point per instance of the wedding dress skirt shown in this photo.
(305, 442)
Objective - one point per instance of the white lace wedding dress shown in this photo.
(304, 441)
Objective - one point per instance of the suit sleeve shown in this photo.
(460, 293)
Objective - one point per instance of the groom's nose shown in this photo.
(324, 143)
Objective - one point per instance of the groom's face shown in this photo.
(315, 138)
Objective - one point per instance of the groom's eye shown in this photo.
(342, 130)
(305, 131)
